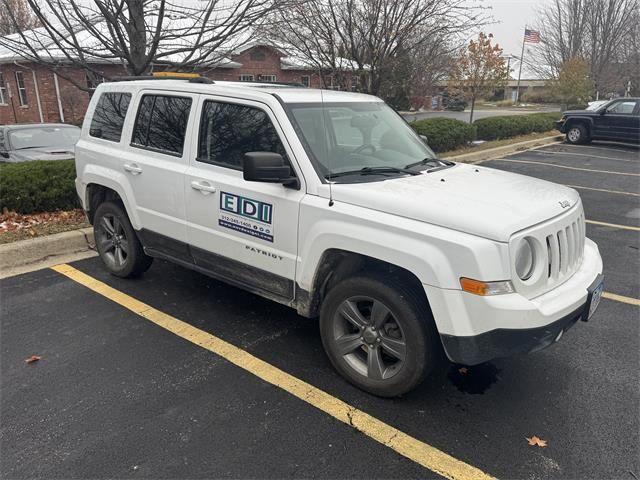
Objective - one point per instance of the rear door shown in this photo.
(244, 232)
(155, 164)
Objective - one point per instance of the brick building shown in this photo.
(31, 93)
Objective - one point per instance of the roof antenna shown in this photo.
(324, 133)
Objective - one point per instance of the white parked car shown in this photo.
(328, 202)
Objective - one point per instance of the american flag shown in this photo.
(531, 36)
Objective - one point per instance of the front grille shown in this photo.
(565, 248)
(559, 250)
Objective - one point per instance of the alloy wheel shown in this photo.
(113, 242)
(574, 134)
(369, 337)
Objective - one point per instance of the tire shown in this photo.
(371, 358)
(117, 243)
(577, 134)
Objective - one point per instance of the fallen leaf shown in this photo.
(32, 359)
(463, 370)
(536, 441)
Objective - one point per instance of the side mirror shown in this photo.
(424, 139)
(268, 167)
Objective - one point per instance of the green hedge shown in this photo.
(444, 134)
(496, 128)
(39, 186)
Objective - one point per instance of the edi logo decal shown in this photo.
(244, 215)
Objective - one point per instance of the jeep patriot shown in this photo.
(330, 203)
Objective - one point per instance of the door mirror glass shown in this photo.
(424, 139)
(267, 167)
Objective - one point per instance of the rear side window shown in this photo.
(228, 131)
(108, 117)
(161, 123)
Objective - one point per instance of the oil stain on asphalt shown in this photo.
(473, 380)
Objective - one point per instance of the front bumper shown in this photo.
(475, 329)
(560, 126)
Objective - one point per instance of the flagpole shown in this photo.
(520, 70)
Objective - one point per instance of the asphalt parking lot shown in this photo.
(122, 391)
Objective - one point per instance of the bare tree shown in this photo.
(596, 30)
(16, 16)
(136, 34)
(368, 36)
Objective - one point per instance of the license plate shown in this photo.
(595, 295)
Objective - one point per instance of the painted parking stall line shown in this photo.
(387, 435)
(613, 225)
(547, 164)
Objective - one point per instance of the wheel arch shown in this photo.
(585, 122)
(337, 264)
(100, 187)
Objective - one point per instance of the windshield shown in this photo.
(596, 105)
(43, 137)
(359, 135)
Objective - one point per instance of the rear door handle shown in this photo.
(205, 187)
(132, 168)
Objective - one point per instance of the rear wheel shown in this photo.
(577, 134)
(380, 338)
(120, 250)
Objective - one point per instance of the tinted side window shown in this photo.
(161, 123)
(228, 131)
(625, 107)
(108, 117)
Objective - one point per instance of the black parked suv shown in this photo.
(617, 120)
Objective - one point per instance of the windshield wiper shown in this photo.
(27, 148)
(436, 162)
(372, 171)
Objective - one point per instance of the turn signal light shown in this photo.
(478, 287)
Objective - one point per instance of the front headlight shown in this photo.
(525, 259)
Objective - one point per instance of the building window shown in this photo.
(22, 90)
(3, 91)
(305, 80)
(355, 84)
(258, 56)
(268, 78)
(161, 124)
(332, 85)
(246, 78)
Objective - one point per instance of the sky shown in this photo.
(511, 17)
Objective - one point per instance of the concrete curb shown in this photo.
(25, 252)
(497, 152)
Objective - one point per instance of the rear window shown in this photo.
(161, 123)
(108, 117)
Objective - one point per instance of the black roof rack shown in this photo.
(129, 78)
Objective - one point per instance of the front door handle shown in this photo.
(132, 168)
(205, 187)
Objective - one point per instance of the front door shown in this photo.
(619, 121)
(244, 232)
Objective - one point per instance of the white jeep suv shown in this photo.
(330, 203)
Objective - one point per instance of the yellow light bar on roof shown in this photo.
(176, 74)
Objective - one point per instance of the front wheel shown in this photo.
(380, 338)
(117, 243)
(577, 134)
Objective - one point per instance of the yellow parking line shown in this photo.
(407, 446)
(621, 298)
(613, 225)
(618, 192)
(566, 167)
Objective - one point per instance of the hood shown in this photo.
(478, 200)
(42, 153)
(579, 112)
